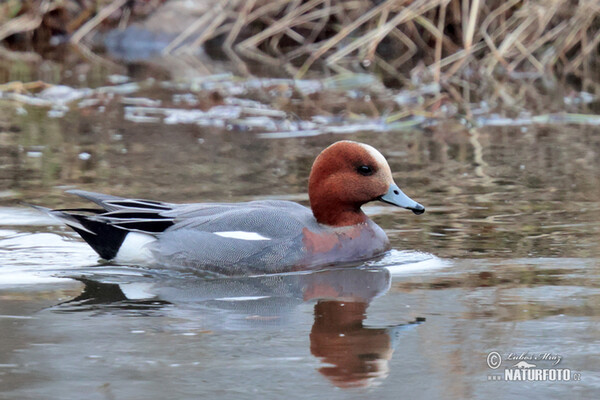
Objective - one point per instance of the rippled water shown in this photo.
(505, 259)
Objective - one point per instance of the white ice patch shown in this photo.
(411, 262)
(243, 235)
(135, 248)
(27, 278)
(408, 262)
(424, 266)
(137, 291)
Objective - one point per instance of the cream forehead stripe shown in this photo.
(379, 158)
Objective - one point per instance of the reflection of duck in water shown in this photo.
(355, 353)
(358, 353)
(237, 303)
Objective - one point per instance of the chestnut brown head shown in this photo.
(347, 175)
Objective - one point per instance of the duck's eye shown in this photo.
(365, 170)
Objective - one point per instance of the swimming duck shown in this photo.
(256, 237)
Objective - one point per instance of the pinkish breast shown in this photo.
(343, 245)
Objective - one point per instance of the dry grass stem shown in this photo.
(400, 40)
(97, 19)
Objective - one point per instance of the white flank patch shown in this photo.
(135, 248)
(242, 298)
(243, 235)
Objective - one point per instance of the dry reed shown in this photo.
(446, 41)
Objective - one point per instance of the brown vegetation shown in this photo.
(446, 41)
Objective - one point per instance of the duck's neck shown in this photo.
(329, 201)
(335, 214)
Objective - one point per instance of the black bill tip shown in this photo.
(418, 209)
(396, 197)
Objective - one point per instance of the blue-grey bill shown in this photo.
(397, 197)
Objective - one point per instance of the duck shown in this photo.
(255, 237)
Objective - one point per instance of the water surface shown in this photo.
(505, 259)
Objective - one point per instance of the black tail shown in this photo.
(105, 228)
(103, 237)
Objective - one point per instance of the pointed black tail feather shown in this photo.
(98, 198)
(105, 228)
(104, 238)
